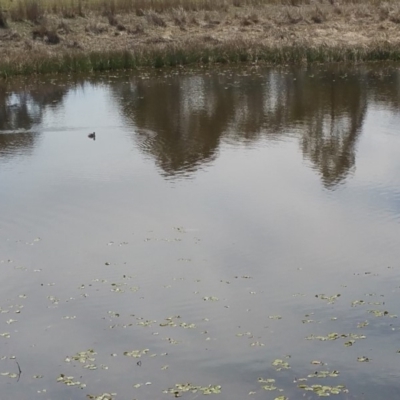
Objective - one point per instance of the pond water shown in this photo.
(233, 229)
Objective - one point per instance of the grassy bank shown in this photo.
(93, 35)
(169, 56)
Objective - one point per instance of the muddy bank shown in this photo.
(278, 34)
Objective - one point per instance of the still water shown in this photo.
(235, 229)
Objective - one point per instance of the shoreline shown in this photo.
(271, 34)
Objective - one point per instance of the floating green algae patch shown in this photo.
(324, 390)
(324, 374)
(335, 336)
(69, 381)
(82, 356)
(269, 384)
(280, 364)
(188, 387)
(136, 353)
(104, 396)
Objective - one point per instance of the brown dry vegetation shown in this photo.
(38, 33)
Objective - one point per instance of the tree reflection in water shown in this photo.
(181, 120)
(21, 110)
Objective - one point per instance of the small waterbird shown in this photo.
(92, 136)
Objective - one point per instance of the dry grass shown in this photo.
(155, 19)
(318, 16)
(32, 9)
(50, 36)
(96, 28)
(171, 32)
(389, 12)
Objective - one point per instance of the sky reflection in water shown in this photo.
(262, 188)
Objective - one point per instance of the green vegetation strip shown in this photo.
(171, 56)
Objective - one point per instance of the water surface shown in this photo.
(223, 219)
